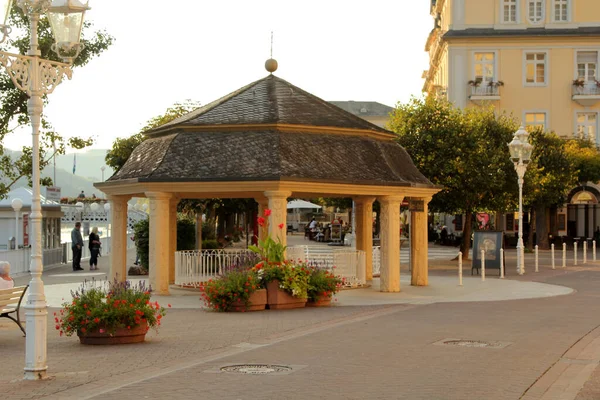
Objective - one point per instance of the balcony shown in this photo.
(485, 91)
(586, 93)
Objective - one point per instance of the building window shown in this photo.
(561, 10)
(587, 126)
(587, 65)
(535, 11)
(484, 67)
(535, 120)
(535, 69)
(509, 10)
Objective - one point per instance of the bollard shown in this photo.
(460, 268)
(585, 252)
(482, 265)
(501, 263)
(575, 253)
(536, 259)
(594, 250)
(552, 253)
(564, 265)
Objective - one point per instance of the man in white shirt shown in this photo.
(6, 281)
(312, 225)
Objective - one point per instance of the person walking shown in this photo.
(94, 245)
(77, 246)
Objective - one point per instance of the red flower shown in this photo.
(96, 320)
(267, 212)
(88, 313)
(83, 330)
(281, 226)
(57, 327)
(261, 221)
(168, 305)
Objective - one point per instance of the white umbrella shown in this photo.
(300, 204)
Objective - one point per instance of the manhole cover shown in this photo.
(256, 369)
(472, 343)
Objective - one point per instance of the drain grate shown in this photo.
(473, 343)
(256, 369)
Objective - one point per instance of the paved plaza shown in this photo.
(542, 329)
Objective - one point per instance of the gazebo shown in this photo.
(269, 141)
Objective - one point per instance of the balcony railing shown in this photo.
(485, 90)
(586, 90)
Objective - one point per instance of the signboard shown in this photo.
(53, 193)
(25, 230)
(417, 205)
(490, 242)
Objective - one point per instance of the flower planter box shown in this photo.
(322, 301)
(256, 302)
(278, 299)
(136, 334)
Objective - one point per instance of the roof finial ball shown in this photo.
(271, 65)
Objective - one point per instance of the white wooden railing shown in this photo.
(192, 267)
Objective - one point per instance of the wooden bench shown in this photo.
(8, 299)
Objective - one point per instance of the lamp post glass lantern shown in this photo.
(520, 153)
(38, 77)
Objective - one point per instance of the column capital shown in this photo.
(115, 198)
(278, 194)
(364, 199)
(159, 195)
(391, 198)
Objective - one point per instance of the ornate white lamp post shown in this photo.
(38, 77)
(17, 204)
(102, 168)
(520, 153)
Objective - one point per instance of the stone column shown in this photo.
(118, 245)
(418, 241)
(263, 204)
(160, 241)
(390, 243)
(364, 231)
(278, 207)
(172, 237)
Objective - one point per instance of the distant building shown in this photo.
(372, 111)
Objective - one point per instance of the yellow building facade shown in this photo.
(534, 59)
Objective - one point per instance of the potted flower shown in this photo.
(322, 285)
(109, 313)
(238, 290)
(476, 82)
(286, 283)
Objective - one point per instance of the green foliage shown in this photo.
(585, 158)
(210, 244)
(186, 233)
(142, 242)
(108, 306)
(235, 286)
(322, 283)
(13, 102)
(551, 173)
(123, 147)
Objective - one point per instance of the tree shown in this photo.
(465, 151)
(586, 160)
(123, 147)
(13, 102)
(549, 177)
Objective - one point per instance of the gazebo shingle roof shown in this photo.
(198, 148)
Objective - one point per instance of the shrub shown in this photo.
(236, 285)
(210, 244)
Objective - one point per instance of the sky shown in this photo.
(171, 51)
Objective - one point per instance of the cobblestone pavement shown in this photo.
(377, 352)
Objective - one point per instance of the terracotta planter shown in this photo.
(278, 299)
(120, 336)
(322, 301)
(256, 302)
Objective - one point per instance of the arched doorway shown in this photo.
(583, 212)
